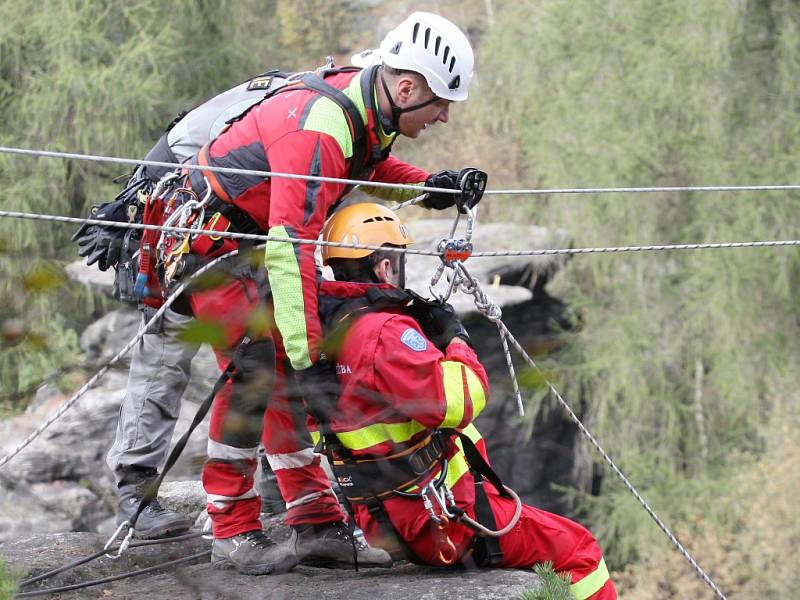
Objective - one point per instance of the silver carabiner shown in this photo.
(125, 542)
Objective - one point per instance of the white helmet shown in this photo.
(436, 49)
(366, 58)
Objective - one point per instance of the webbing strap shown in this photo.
(487, 548)
(152, 490)
(353, 115)
(479, 464)
(398, 548)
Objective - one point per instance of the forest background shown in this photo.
(686, 360)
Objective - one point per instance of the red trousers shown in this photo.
(538, 536)
(259, 404)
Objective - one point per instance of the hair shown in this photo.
(362, 270)
(393, 72)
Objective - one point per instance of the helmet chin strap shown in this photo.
(396, 110)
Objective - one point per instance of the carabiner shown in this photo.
(447, 554)
(125, 542)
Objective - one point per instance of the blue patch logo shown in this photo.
(414, 340)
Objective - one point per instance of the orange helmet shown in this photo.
(366, 223)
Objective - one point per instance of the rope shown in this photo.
(105, 368)
(225, 234)
(94, 582)
(303, 241)
(473, 524)
(99, 553)
(173, 166)
(510, 192)
(646, 190)
(492, 312)
(650, 248)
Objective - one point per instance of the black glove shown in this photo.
(320, 389)
(438, 321)
(441, 200)
(102, 245)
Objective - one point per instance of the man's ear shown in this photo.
(381, 270)
(405, 88)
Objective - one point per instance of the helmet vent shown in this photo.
(455, 83)
(437, 44)
(415, 33)
(453, 64)
(446, 54)
(396, 49)
(427, 37)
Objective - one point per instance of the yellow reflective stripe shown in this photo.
(592, 582)
(326, 116)
(476, 392)
(456, 467)
(283, 268)
(453, 393)
(378, 433)
(315, 437)
(472, 433)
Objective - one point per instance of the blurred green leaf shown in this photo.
(203, 332)
(44, 277)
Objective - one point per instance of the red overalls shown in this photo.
(396, 388)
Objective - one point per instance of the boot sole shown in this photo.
(283, 566)
(327, 563)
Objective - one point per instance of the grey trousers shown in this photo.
(160, 369)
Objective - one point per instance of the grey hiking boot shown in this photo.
(253, 553)
(331, 545)
(155, 521)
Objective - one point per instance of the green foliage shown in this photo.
(553, 586)
(681, 356)
(102, 77)
(317, 28)
(8, 583)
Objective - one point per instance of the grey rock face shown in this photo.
(34, 555)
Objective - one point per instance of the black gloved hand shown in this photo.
(438, 321)
(441, 200)
(319, 386)
(100, 244)
(470, 183)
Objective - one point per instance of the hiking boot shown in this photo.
(331, 545)
(155, 521)
(253, 553)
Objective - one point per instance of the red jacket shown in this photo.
(299, 132)
(396, 386)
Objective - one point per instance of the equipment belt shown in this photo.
(362, 479)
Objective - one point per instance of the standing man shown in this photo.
(410, 390)
(161, 363)
(339, 124)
